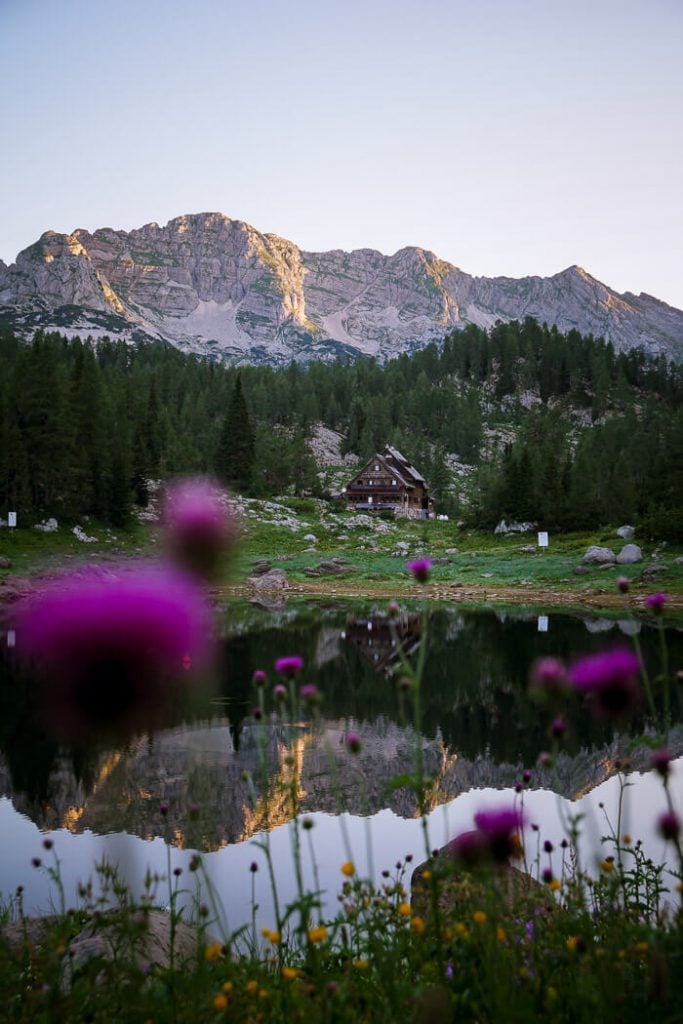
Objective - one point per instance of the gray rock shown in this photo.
(452, 551)
(47, 526)
(625, 532)
(629, 555)
(5, 563)
(598, 556)
(505, 527)
(598, 625)
(275, 579)
(580, 570)
(679, 560)
(629, 627)
(311, 537)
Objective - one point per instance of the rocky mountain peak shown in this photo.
(219, 286)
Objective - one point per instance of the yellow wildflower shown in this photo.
(418, 925)
(551, 994)
(263, 993)
(404, 909)
(479, 917)
(289, 973)
(348, 868)
(626, 839)
(641, 947)
(462, 930)
(606, 866)
(361, 965)
(554, 884)
(501, 934)
(220, 1002)
(318, 934)
(572, 942)
(213, 951)
(251, 986)
(426, 875)
(227, 987)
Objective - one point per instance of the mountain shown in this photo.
(218, 286)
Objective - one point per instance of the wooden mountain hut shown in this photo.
(390, 483)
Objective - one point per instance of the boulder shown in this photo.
(456, 551)
(629, 555)
(47, 526)
(598, 556)
(274, 580)
(260, 567)
(625, 532)
(505, 527)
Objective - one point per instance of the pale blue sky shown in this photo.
(508, 136)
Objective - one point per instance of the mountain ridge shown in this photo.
(217, 286)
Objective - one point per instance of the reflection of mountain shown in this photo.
(384, 641)
(199, 765)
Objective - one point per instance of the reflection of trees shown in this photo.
(479, 729)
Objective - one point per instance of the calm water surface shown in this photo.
(479, 730)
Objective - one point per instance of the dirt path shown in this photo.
(594, 597)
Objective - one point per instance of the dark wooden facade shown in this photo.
(390, 483)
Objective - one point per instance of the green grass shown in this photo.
(483, 560)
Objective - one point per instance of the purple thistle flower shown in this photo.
(609, 680)
(548, 677)
(353, 742)
(656, 602)
(199, 524)
(623, 584)
(258, 714)
(660, 761)
(420, 569)
(309, 693)
(526, 776)
(163, 808)
(279, 691)
(669, 825)
(289, 666)
(499, 831)
(259, 677)
(105, 651)
(558, 727)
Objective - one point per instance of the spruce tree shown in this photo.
(234, 460)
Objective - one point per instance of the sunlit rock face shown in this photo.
(218, 286)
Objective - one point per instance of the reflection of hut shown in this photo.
(382, 640)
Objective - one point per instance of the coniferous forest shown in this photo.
(556, 428)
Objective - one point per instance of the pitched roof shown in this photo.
(406, 466)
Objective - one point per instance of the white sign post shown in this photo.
(543, 540)
(12, 519)
(542, 624)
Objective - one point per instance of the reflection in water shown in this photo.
(375, 844)
(383, 640)
(479, 730)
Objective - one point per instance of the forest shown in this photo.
(555, 428)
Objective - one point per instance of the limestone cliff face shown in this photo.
(218, 286)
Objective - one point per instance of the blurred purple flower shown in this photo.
(199, 524)
(420, 569)
(669, 825)
(548, 678)
(609, 680)
(105, 651)
(353, 742)
(656, 602)
(289, 666)
(259, 677)
(309, 692)
(496, 836)
(660, 761)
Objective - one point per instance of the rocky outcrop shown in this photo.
(219, 286)
(596, 555)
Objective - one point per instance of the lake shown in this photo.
(480, 729)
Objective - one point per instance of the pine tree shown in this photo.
(234, 460)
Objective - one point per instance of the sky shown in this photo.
(510, 137)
